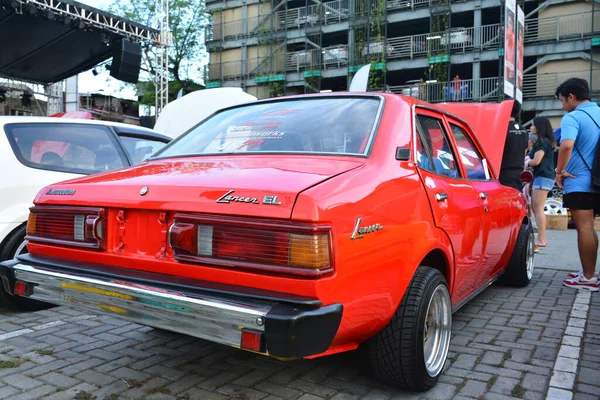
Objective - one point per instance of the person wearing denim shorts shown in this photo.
(541, 158)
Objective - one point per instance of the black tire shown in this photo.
(396, 353)
(517, 273)
(11, 245)
(8, 252)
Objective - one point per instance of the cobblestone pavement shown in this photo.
(538, 342)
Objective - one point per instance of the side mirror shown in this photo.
(526, 177)
(402, 154)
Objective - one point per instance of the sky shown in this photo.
(103, 82)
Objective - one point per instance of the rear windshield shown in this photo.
(72, 148)
(342, 125)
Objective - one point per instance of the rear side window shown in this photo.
(72, 148)
(433, 149)
(139, 148)
(469, 155)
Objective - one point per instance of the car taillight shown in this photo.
(71, 226)
(282, 247)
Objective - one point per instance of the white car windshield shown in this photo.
(338, 125)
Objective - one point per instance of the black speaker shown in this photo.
(127, 59)
(147, 122)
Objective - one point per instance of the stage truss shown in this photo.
(127, 29)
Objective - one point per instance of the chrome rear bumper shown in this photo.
(285, 329)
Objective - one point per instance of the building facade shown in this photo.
(437, 50)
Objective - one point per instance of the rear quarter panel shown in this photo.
(373, 272)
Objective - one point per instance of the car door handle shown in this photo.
(441, 196)
(483, 195)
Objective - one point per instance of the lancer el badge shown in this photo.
(229, 198)
(361, 231)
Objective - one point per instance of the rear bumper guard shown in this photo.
(286, 330)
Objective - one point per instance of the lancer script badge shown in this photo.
(360, 232)
(144, 190)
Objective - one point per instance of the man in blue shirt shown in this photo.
(579, 137)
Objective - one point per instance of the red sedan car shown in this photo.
(294, 227)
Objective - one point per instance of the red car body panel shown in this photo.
(474, 236)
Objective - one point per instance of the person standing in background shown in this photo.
(580, 134)
(541, 158)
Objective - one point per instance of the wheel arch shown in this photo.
(10, 235)
(438, 259)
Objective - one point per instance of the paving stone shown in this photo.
(584, 396)
(441, 391)
(535, 382)
(218, 380)
(49, 367)
(20, 381)
(310, 397)
(474, 389)
(559, 394)
(83, 390)
(504, 385)
(571, 341)
(493, 358)
(582, 387)
(351, 387)
(499, 371)
(95, 378)
(589, 376)
(520, 356)
(465, 361)
(241, 392)
(311, 387)
(7, 391)
(562, 380)
(531, 395)
(545, 353)
(35, 393)
(344, 396)
(59, 380)
(128, 373)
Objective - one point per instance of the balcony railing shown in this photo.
(561, 28)
(481, 90)
(236, 70)
(544, 85)
(557, 29)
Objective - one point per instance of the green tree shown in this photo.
(187, 22)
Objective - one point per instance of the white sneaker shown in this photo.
(580, 282)
(576, 274)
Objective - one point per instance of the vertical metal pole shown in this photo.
(592, 50)
(161, 81)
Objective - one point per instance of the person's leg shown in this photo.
(587, 240)
(538, 201)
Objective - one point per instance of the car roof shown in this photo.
(52, 120)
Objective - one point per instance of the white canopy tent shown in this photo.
(184, 113)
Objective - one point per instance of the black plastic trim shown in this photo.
(292, 332)
(168, 282)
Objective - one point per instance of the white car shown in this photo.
(38, 151)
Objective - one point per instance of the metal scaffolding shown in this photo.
(161, 79)
(99, 20)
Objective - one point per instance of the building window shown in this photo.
(20, 113)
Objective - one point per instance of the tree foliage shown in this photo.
(187, 22)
